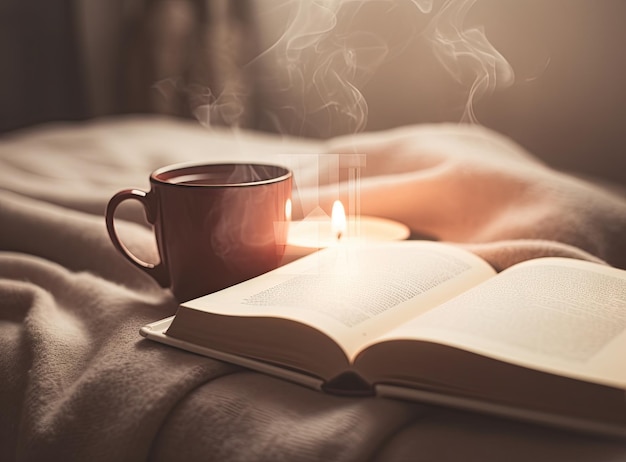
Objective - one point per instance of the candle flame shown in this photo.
(288, 208)
(338, 219)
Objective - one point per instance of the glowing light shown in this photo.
(338, 219)
(288, 208)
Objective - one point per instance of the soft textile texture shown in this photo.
(77, 382)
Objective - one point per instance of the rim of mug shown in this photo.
(189, 165)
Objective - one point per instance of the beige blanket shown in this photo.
(77, 382)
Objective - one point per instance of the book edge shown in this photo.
(156, 331)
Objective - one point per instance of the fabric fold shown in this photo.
(77, 382)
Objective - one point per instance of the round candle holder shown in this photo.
(310, 235)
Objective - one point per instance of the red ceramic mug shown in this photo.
(215, 224)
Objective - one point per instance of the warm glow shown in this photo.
(338, 219)
(288, 210)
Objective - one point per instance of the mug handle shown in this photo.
(158, 272)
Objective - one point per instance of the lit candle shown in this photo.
(318, 231)
(338, 219)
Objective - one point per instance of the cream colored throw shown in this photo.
(78, 383)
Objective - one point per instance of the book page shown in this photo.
(354, 293)
(556, 315)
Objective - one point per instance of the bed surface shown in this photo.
(78, 382)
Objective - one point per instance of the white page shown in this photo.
(557, 315)
(355, 293)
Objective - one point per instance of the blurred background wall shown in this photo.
(224, 62)
(41, 76)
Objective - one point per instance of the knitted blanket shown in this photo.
(77, 382)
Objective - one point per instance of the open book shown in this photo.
(543, 340)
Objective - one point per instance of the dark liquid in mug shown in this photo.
(223, 174)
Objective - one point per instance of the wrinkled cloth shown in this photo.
(77, 382)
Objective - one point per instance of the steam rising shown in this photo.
(425, 6)
(325, 64)
(325, 60)
(467, 54)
